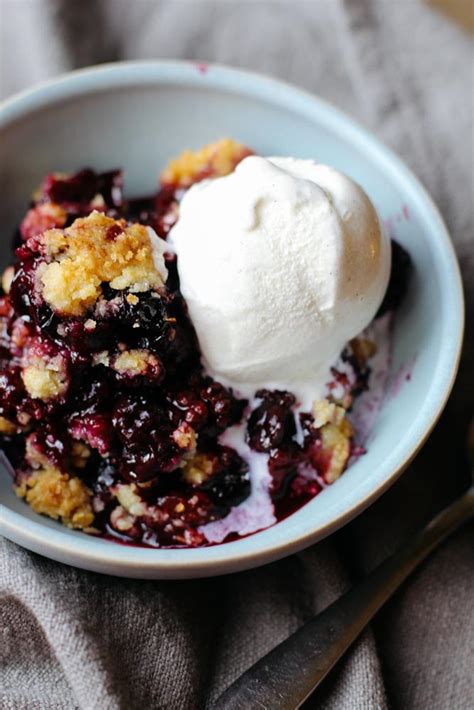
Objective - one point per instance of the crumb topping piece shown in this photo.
(129, 499)
(80, 454)
(45, 378)
(186, 438)
(326, 412)
(59, 496)
(130, 507)
(213, 160)
(94, 250)
(336, 449)
(7, 427)
(7, 278)
(198, 469)
(136, 362)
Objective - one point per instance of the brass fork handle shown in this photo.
(285, 677)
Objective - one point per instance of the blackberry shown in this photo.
(224, 409)
(272, 422)
(283, 466)
(136, 416)
(79, 189)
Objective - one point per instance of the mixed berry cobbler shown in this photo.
(109, 419)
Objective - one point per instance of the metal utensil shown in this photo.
(286, 677)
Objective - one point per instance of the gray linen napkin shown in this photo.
(71, 639)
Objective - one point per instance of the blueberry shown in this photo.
(231, 484)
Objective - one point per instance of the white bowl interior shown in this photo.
(145, 116)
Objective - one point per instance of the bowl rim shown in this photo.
(130, 561)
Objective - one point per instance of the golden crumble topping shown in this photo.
(129, 499)
(45, 378)
(58, 495)
(336, 448)
(101, 358)
(186, 438)
(7, 278)
(135, 362)
(213, 160)
(7, 427)
(121, 520)
(326, 412)
(198, 469)
(93, 250)
(80, 454)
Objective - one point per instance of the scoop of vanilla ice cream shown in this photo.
(281, 263)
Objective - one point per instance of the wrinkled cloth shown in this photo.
(72, 639)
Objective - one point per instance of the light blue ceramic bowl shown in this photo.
(137, 115)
